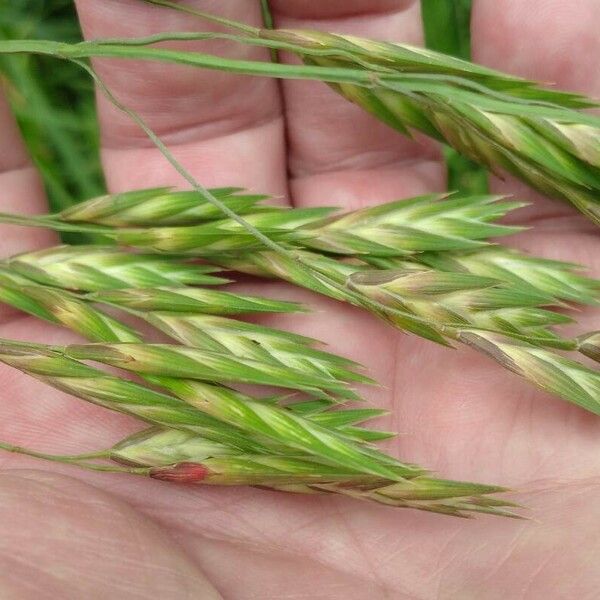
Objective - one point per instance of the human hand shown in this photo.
(459, 414)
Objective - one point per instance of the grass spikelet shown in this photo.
(183, 457)
(94, 268)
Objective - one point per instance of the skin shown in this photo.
(71, 534)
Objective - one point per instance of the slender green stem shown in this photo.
(207, 16)
(79, 460)
(406, 83)
(198, 59)
(269, 23)
(267, 14)
(49, 222)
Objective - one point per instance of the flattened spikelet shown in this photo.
(94, 268)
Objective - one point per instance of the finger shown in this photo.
(549, 41)
(21, 188)
(225, 129)
(337, 152)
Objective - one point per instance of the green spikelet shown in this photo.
(171, 360)
(158, 207)
(94, 268)
(259, 421)
(404, 227)
(96, 386)
(180, 457)
(58, 367)
(290, 429)
(220, 236)
(277, 345)
(247, 340)
(192, 300)
(272, 264)
(464, 300)
(551, 372)
(160, 448)
(59, 306)
(457, 302)
(560, 281)
(399, 228)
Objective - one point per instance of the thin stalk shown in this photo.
(210, 17)
(84, 50)
(267, 14)
(78, 460)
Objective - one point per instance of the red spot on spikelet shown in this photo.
(185, 472)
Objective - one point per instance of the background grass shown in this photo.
(54, 101)
(447, 26)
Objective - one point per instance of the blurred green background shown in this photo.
(54, 101)
(447, 26)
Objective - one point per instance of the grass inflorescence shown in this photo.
(431, 271)
(426, 265)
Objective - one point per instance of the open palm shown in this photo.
(62, 537)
